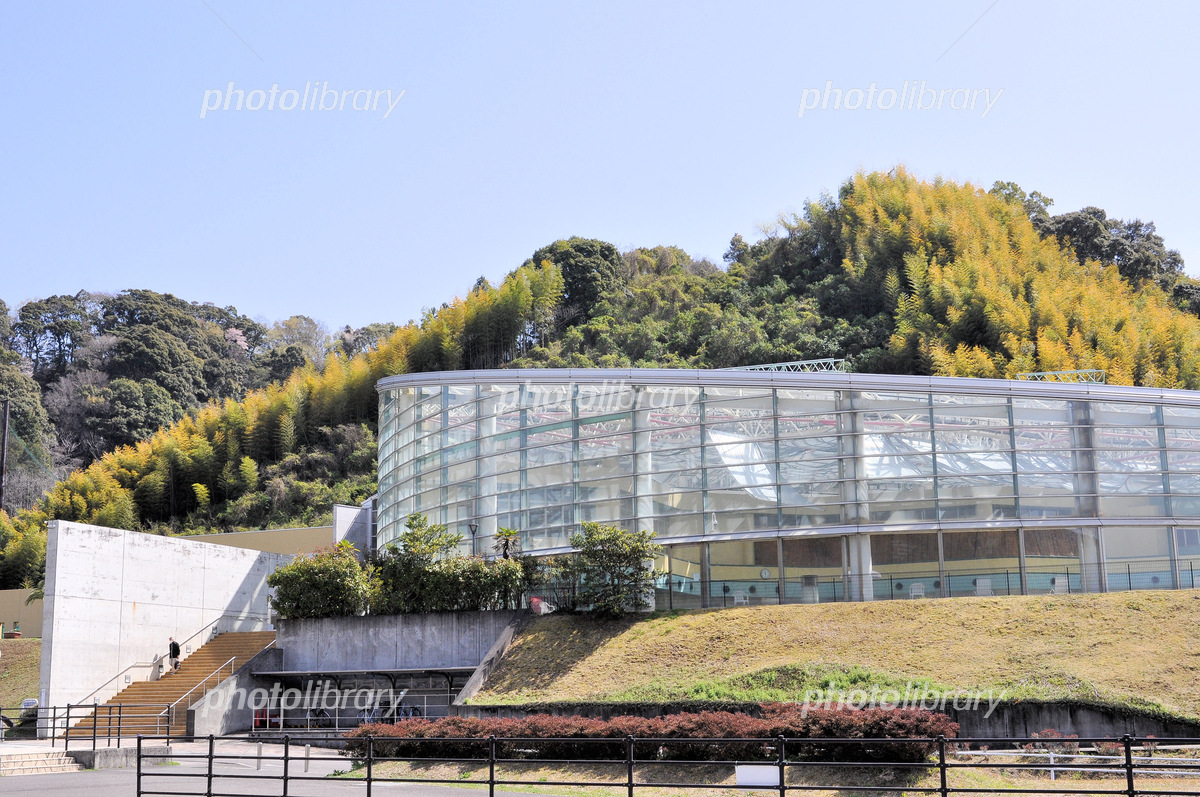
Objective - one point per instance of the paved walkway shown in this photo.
(186, 776)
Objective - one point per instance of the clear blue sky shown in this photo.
(638, 123)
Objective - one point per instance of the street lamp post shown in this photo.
(474, 527)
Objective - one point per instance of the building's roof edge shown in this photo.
(786, 379)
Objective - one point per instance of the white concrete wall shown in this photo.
(113, 598)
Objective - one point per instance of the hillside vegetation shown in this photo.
(895, 274)
(1132, 649)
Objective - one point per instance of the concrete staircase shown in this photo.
(37, 763)
(142, 702)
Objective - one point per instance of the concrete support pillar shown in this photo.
(1094, 576)
(862, 584)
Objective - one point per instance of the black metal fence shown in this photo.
(90, 724)
(1096, 766)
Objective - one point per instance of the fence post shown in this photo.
(629, 762)
(120, 714)
(370, 761)
(944, 790)
(782, 766)
(287, 743)
(95, 722)
(139, 765)
(1053, 773)
(209, 779)
(67, 731)
(491, 766)
(1127, 740)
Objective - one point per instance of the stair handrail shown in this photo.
(169, 710)
(199, 684)
(85, 700)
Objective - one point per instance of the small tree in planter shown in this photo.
(612, 566)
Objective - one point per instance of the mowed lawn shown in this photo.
(1139, 649)
(20, 661)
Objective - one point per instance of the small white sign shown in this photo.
(757, 775)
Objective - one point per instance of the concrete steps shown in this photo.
(141, 702)
(37, 763)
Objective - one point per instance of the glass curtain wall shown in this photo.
(798, 487)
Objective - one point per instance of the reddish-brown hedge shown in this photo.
(578, 738)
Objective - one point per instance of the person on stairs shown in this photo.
(173, 652)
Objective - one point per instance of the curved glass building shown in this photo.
(769, 486)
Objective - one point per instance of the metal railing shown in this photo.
(318, 719)
(1093, 375)
(798, 366)
(956, 581)
(778, 765)
(170, 714)
(109, 722)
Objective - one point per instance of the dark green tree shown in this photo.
(1134, 246)
(590, 269)
(149, 353)
(615, 567)
(126, 411)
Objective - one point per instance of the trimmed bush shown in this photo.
(579, 738)
(327, 583)
(406, 582)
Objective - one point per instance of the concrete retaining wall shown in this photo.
(114, 597)
(1009, 720)
(396, 642)
(1027, 718)
(228, 707)
(117, 757)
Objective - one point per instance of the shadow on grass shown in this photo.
(551, 647)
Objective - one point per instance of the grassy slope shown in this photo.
(20, 661)
(1137, 649)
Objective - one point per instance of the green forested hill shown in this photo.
(895, 274)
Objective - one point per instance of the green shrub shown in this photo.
(327, 583)
(422, 574)
(407, 582)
